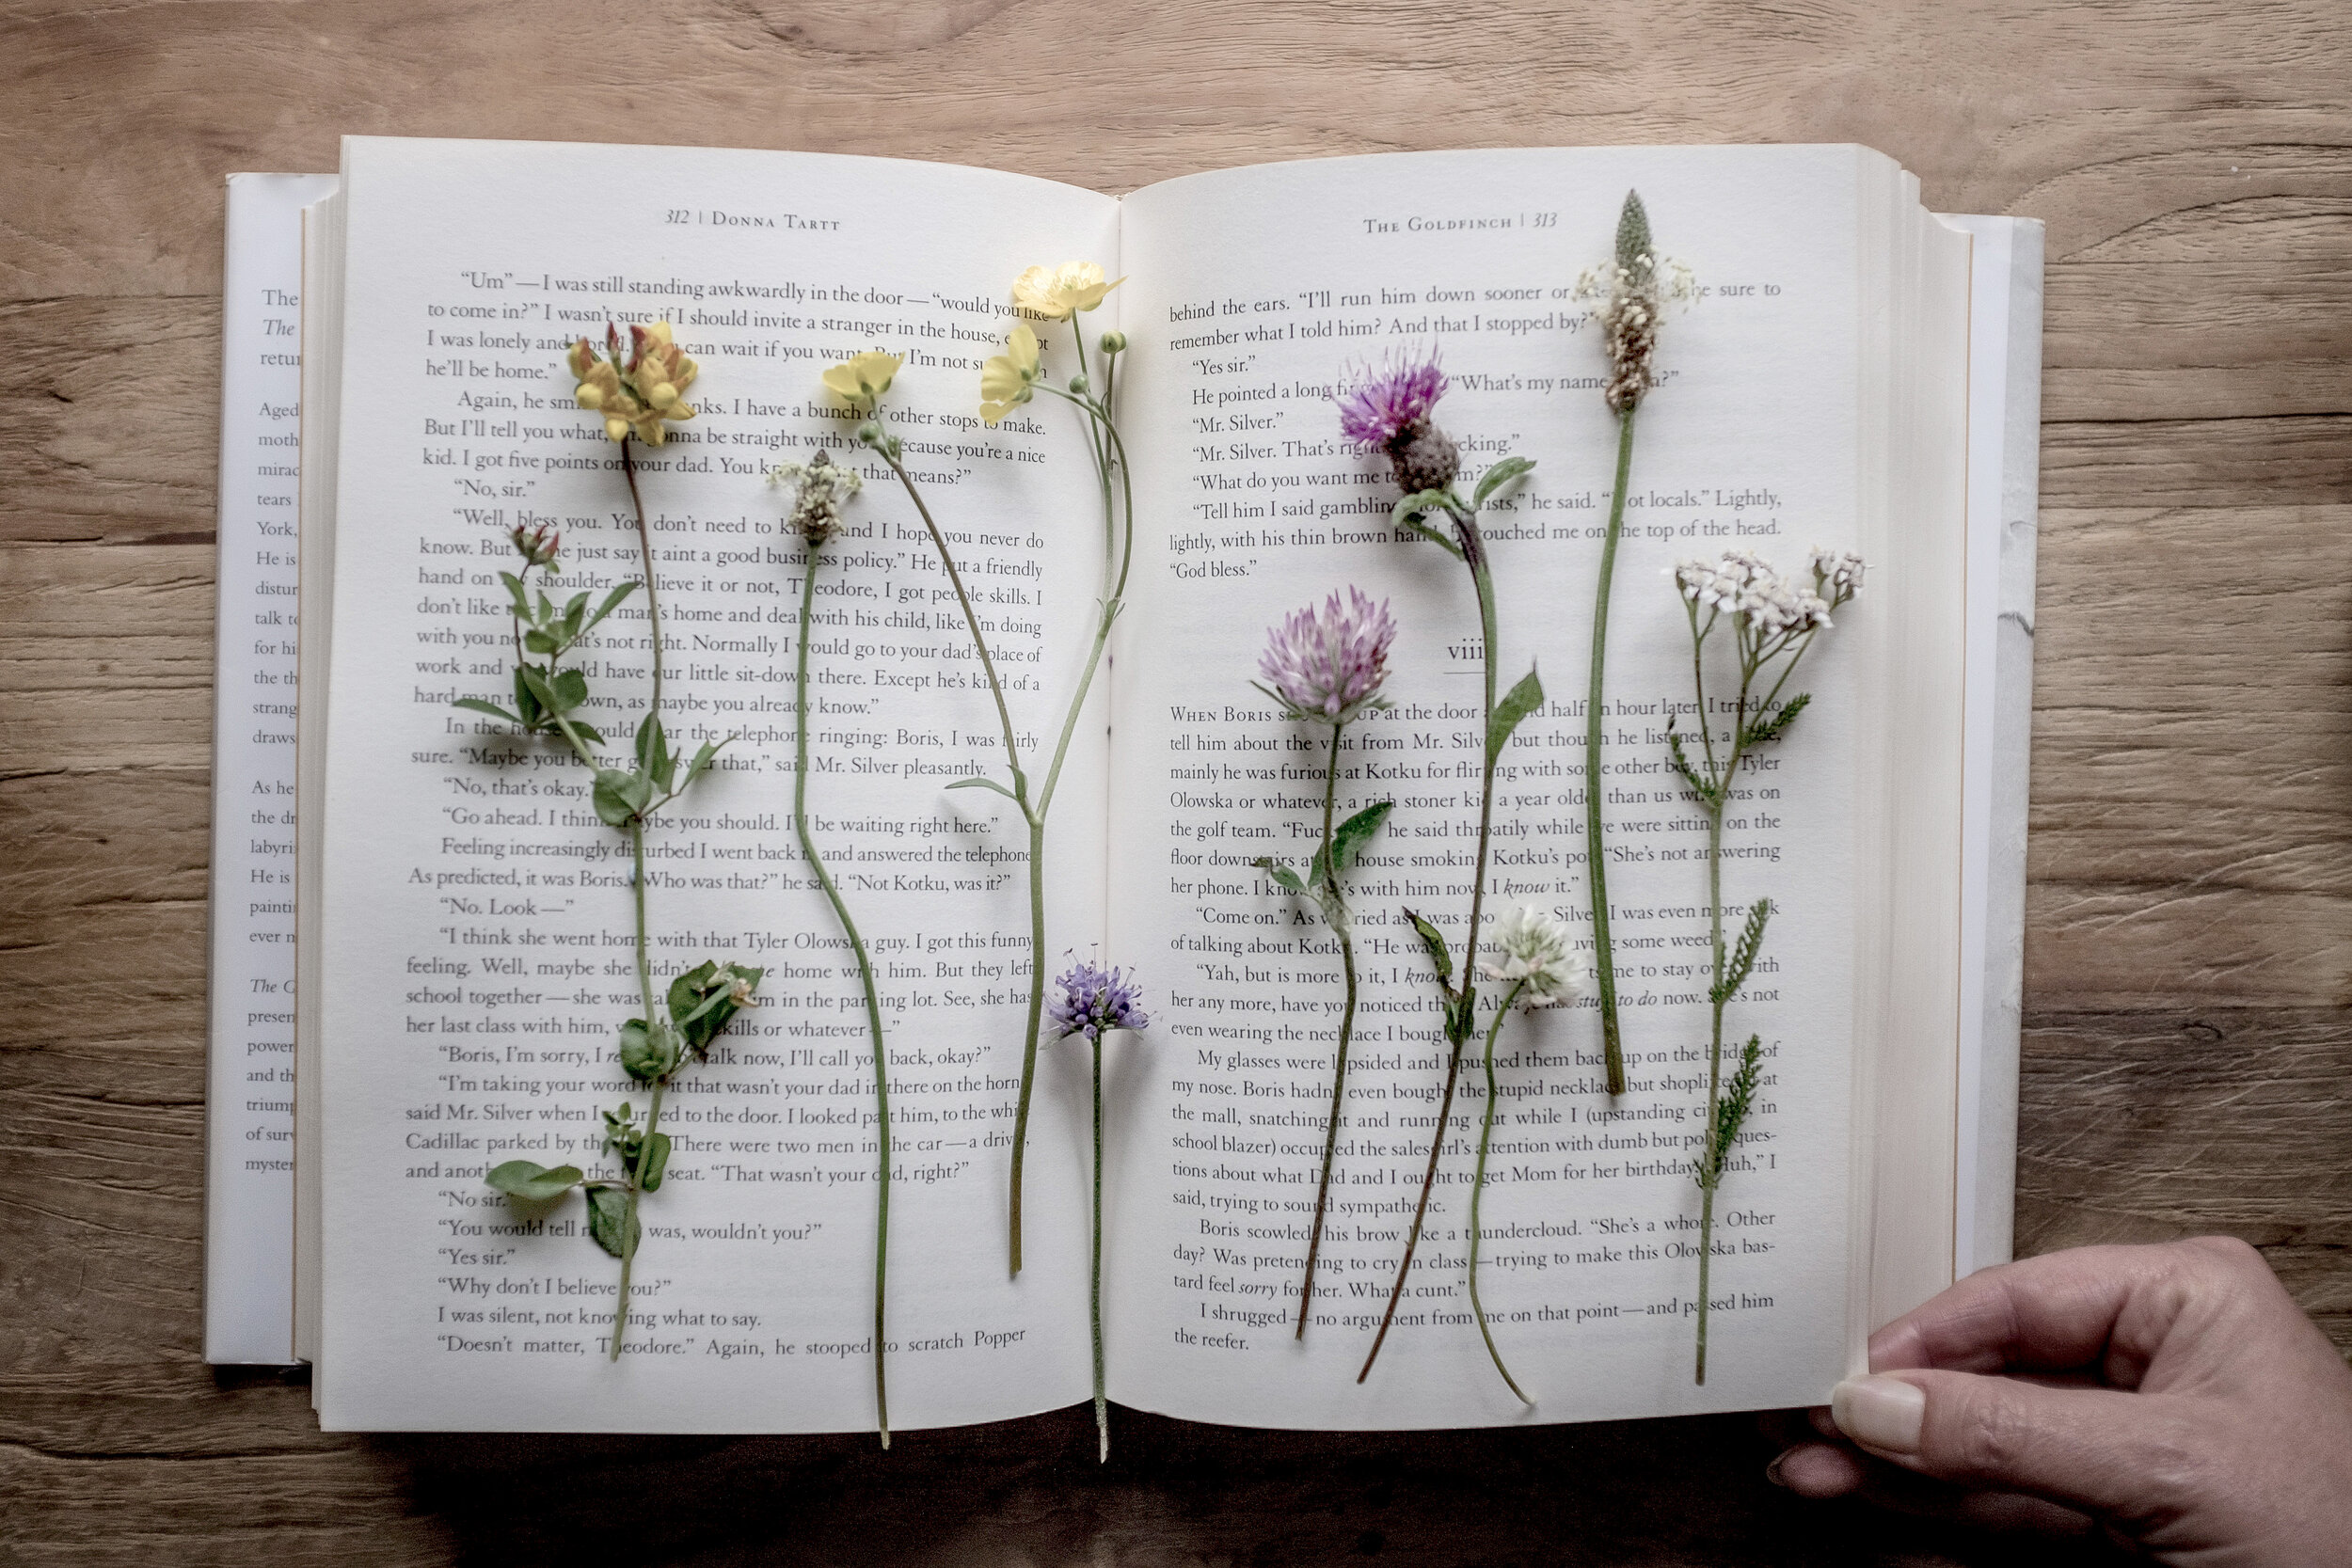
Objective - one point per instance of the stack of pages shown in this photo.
(421, 932)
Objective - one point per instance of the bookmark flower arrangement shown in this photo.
(1326, 668)
(1772, 622)
(1007, 381)
(636, 393)
(1632, 297)
(1389, 410)
(1089, 1002)
(820, 489)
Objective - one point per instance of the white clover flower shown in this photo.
(1536, 951)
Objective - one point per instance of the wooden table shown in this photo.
(2189, 960)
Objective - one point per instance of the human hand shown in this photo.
(2172, 1395)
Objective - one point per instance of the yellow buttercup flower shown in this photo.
(1060, 292)
(1007, 379)
(861, 379)
(637, 397)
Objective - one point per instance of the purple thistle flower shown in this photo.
(1385, 402)
(1329, 665)
(1390, 408)
(1090, 999)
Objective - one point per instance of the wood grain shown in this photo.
(2189, 990)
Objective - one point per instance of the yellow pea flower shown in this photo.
(635, 397)
(1006, 380)
(1060, 292)
(861, 379)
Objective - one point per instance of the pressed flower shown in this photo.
(1388, 407)
(861, 379)
(1060, 292)
(1631, 297)
(538, 544)
(1091, 1001)
(1536, 957)
(638, 394)
(1837, 574)
(1329, 665)
(820, 486)
(1009, 379)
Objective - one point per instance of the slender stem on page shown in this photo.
(1347, 1023)
(1596, 856)
(1478, 1190)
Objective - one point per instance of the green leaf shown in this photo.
(701, 763)
(1705, 791)
(643, 1055)
(1731, 1112)
(537, 642)
(532, 1183)
(1773, 726)
(478, 706)
(1743, 953)
(534, 682)
(1284, 878)
(1496, 477)
(571, 690)
(612, 602)
(976, 781)
(514, 592)
(619, 797)
(1517, 702)
(657, 1160)
(526, 703)
(588, 731)
(1349, 838)
(572, 613)
(609, 1218)
(701, 1002)
(1435, 941)
(1411, 507)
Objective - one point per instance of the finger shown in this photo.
(1817, 1470)
(2093, 1449)
(2053, 1313)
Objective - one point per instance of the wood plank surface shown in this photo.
(2189, 952)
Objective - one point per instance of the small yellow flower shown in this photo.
(1006, 380)
(1060, 292)
(636, 397)
(861, 379)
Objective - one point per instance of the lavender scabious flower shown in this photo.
(1328, 666)
(1091, 1001)
(1390, 408)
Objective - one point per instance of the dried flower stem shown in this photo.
(873, 1002)
(1596, 856)
(1347, 1028)
(1478, 1189)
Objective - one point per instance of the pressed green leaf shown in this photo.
(657, 1160)
(588, 731)
(533, 1183)
(610, 603)
(534, 682)
(1503, 473)
(1517, 702)
(526, 703)
(571, 690)
(1743, 953)
(514, 592)
(1284, 878)
(1773, 726)
(1435, 941)
(976, 781)
(1349, 838)
(478, 706)
(1411, 507)
(645, 1055)
(1731, 1113)
(537, 642)
(618, 796)
(609, 1218)
(701, 763)
(1705, 791)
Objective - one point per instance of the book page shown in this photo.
(249, 1178)
(1255, 508)
(475, 924)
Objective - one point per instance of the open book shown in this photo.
(1860, 374)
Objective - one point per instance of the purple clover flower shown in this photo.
(1091, 1001)
(1387, 402)
(1329, 665)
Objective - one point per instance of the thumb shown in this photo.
(2097, 1450)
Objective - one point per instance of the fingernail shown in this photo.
(1882, 1413)
(1772, 1471)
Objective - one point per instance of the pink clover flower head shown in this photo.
(1329, 665)
(1386, 403)
(1091, 1001)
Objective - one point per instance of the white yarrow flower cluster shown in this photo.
(1535, 950)
(1747, 586)
(1837, 574)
